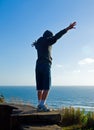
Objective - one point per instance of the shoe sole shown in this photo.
(41, 110)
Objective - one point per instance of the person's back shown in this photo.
(43, 65)
(43, 50)
(44, 45)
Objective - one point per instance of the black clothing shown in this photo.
(43, 76)
(43, 64)
(44, 46)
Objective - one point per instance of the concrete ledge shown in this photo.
(42, 127)
(5, 112)
(15, 116)
(44, 117)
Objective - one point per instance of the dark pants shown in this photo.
(43, 76)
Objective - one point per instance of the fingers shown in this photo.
(72, 25)
(74, 22)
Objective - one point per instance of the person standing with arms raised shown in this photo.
(43, 64)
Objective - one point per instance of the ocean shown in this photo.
(59, 96)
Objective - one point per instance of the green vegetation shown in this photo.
(76, 119)
(2, 99)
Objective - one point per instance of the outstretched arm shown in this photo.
(62, 32)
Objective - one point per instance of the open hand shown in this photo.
(71, 26)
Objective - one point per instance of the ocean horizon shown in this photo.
(59, 96)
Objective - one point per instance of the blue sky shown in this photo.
(24, 21)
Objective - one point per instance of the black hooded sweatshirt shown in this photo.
(44, 47)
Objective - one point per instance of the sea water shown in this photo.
(59, 96)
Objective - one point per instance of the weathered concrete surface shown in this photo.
(44, 117)
(20, 116)
(28, 115)
(42, 127)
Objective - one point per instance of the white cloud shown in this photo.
(86, 61)
(76, 71)
(91, 71)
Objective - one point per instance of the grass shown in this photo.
(2, 99)
(73, 127)
(76, 119)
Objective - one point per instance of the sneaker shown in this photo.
(39, 108)
(43, 108)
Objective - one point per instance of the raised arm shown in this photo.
(58, 35)
(62, 32)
